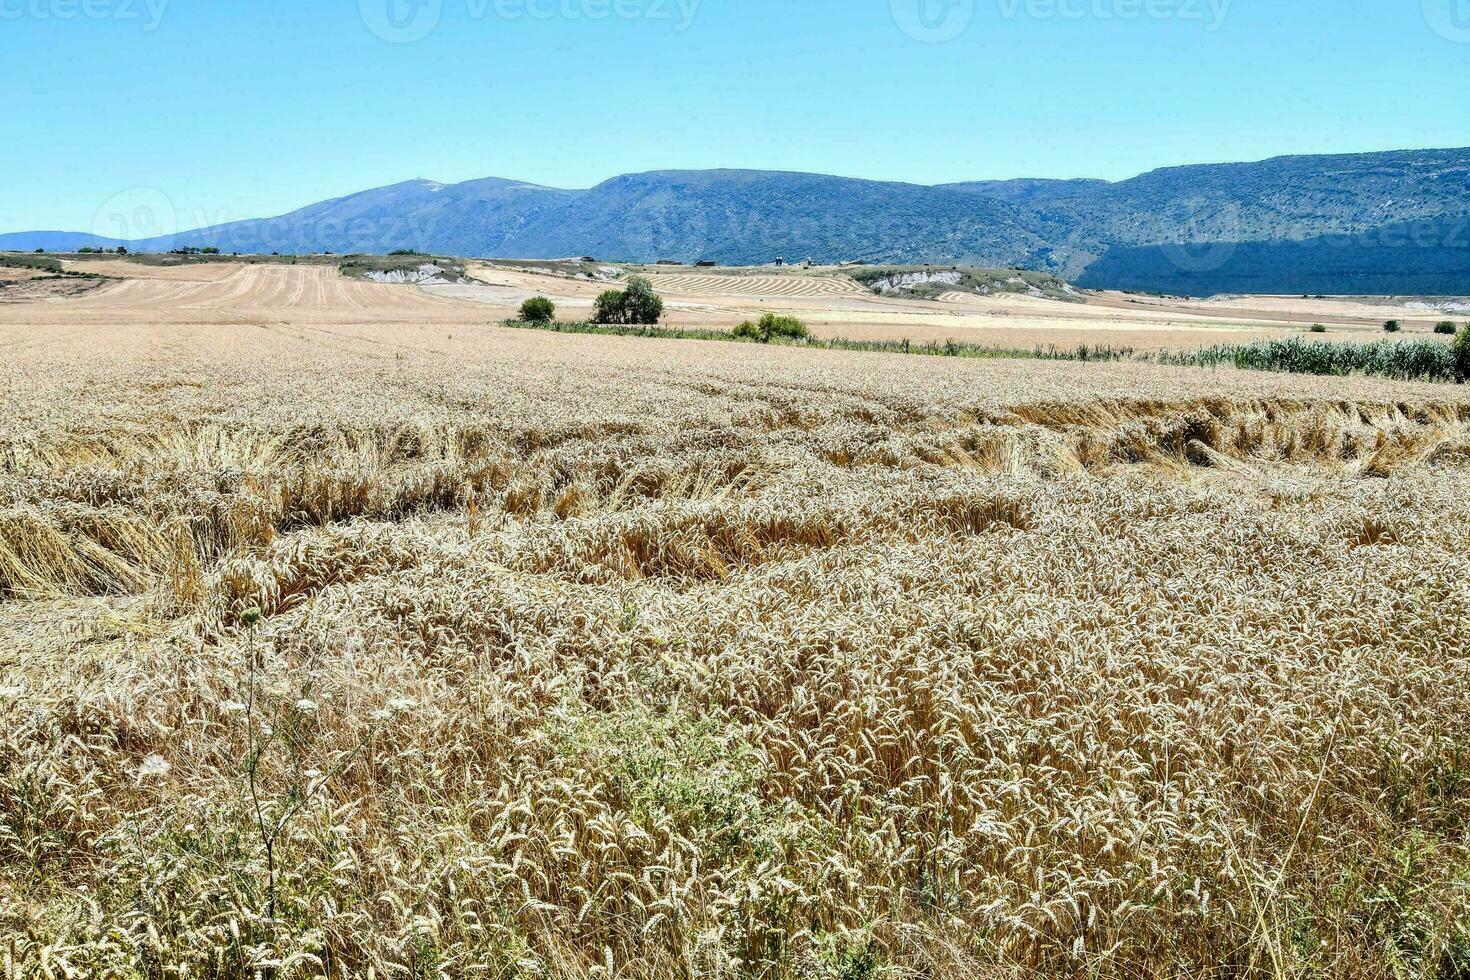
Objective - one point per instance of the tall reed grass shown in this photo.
(1408, 360)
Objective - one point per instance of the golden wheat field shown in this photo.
(834, 305)
(392, 644)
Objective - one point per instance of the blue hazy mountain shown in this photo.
(1372, 222)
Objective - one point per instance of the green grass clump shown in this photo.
(948, 348)
(1422, 360)
(695, 772)
(42, 262)
(772, 327)
(620, 330)
(951, 348)
(1413, 360)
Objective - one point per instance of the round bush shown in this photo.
(638, 304)
(772, 327)
(609, 307)
(538, 309)
(784, 327)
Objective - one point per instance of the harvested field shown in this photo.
(216, 293)
(836, 306)
(279, 294)
(1362, 311)
(41, 288)
(183, 272)
(753, 285)
(343, 634)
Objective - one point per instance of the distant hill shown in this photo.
(1428, 258)
(1363, 223)
(474, 218)
(749, 217)
(1365, 197)
(732, 216)
(1029, 190)
(54, 241)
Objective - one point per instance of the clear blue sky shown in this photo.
(249, 108)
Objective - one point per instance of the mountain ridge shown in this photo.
(1374, 219)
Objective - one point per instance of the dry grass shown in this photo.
(588, 657)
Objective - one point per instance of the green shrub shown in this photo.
(785, 327)
(1461, 348)
(46, 264)
(1392, 326)
(772, 327)
(538, 309)
(608, 308)
(1319, 328)
(1446, 327)
(638, 304)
